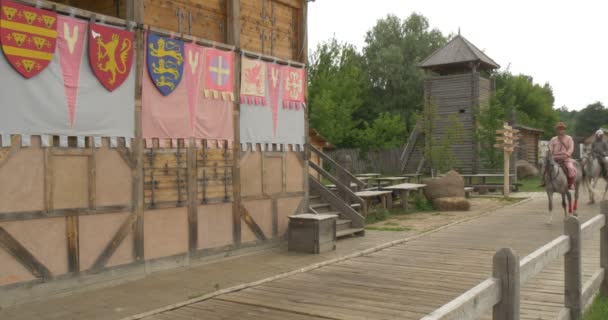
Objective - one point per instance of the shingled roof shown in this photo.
(459, 50)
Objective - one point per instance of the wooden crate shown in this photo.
(312, 233)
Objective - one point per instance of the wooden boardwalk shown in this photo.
(411, 279)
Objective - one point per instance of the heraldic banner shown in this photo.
(174, 102)
(65, 98)
(269, 124)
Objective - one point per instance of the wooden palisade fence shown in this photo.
(501, 292)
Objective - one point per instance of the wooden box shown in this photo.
(312, 233)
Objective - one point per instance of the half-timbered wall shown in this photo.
(71, 217)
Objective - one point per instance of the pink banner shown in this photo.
(253, 81)
(185, 113)
(193, 70)
(219, 74)
(71, 37)
(274, 88)
(294, 81)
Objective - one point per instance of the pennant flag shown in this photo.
(293, 87)
(194, 70)
(219, 74)
(70, 44)
(110, 54)
(165, 62)
(274, 88)
(253, 82)
(28, 36)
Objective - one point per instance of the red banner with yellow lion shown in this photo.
(110, 54)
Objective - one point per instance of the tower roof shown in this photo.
(458, 51)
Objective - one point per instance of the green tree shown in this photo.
(489, 120)
(337, 89)
(386, 132)
(568, 117)
(394, 47)
(591, 118)
(532, 103)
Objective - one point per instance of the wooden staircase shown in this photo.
(410, 154)
(342, 202)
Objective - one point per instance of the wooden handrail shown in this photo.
(351, 195)
(491, 294)
(338, 167)
(357, 220)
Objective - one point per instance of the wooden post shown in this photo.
(135, 12)
(604, 247)
(233, 37)
(572, 269)
(192, 196)
(303, 57)
(506, 269)
(507, 186)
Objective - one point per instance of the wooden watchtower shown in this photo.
(458, 83)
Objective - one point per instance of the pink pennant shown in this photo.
(71, 36)
(274, 88)
(193, 70)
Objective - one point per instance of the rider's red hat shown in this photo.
(560, 125)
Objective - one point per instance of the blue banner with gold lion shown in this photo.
(165, 59)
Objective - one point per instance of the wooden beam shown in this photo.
(506, 270)
(604, 247)
(192, 171)
(275, 218)
(233, 37)
(92, 179)
(135, 11)
(43, 214)
(117, 239)
(127, 156)
(71, 230)
(255, 228)
(7, 153)
(48, 180)
(573, 284)
(21, 254)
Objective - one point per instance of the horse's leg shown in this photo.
(550, 198)
(588, 185)
(605, 190)
(576, 189)
(564, 205)
(569, 199)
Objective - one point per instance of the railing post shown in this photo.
(604, 247)
(506, 268)
(573, 286)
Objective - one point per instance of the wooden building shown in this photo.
(319, 142)
(529, 144)
(72, 217)
(458, 83)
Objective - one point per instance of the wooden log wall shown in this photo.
(74, 213)
(459, 95)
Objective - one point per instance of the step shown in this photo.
(351, 231)
(343, 224)
(317, 206)
(314, 197)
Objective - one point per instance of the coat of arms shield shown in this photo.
(165, 60)
(110, 54)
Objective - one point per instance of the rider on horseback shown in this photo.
(561, 147)
(599, 149)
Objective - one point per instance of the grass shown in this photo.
(381, 214)
(530, 185)
(598, 310)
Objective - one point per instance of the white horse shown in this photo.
(556, 181)
(592, 173)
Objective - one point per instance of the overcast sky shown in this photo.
(560, 42)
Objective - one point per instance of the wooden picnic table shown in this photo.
(404, 189)
(390, 180)
(409, 176)
(367, 175)
(369, 195)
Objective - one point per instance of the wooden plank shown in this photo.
(592, 286)
(275, 218)
(21, 254)
(48, 180)
(470, 305)
(72, 243)
(536, 261)
(573, 269)
(592, 225)
(92, 179)
(253, 226)
(117, 239)
(7, 152)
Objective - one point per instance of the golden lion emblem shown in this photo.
(108, 50)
